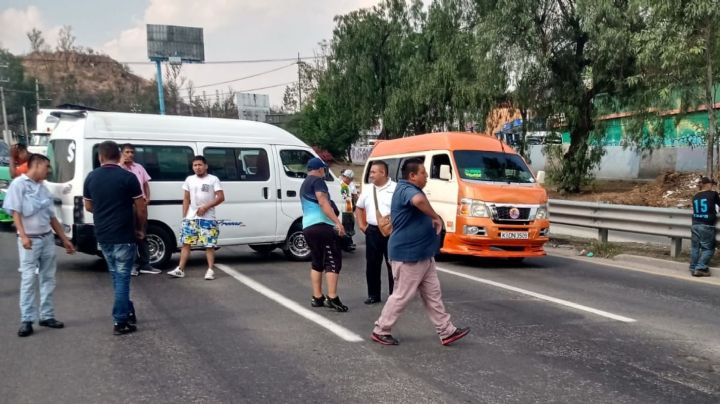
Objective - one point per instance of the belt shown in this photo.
(372, 225)
(37, 235)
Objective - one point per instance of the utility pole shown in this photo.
(37, 97)
(6, 132)
(190, 98)
(27, 134)
(299, 85)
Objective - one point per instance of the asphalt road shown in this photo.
(551, 330)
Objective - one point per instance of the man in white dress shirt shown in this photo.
(381, 188)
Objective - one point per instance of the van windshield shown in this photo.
(492, 166)
(61, 153)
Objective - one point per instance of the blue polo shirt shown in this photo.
(413, 238)
(113, 191)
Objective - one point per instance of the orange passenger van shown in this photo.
(490, 202)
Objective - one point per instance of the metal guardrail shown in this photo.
(667, 222)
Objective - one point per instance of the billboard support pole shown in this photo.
(161, 95)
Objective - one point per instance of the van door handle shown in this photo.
(265, 192)
(291, 194)
(279, 193)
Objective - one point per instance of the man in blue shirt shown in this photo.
(412, 248)
(321, 228)
(31, 206)
(702, 247)
(116, 201)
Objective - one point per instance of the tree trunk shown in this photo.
(523, 139)
(710, 99)
(575, 162)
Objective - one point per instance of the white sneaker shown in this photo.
(177, 273)
(209, 275)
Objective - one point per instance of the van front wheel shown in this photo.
(296, 248)
(263, 249)
(160, 245)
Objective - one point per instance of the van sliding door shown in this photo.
(249, 212)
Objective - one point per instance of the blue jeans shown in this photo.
(42, 258)
(120, 259)
(702, 246)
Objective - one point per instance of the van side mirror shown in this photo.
(445, 173)
(541, 177)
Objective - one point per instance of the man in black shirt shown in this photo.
(703, 227)
(111, 193)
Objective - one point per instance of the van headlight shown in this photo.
(4, 183)
(473, 208)
(542, 212)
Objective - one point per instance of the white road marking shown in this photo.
(541, 296)
(291, 305)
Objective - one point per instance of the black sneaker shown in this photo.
(132, 320)
(384, 339)
(25, 329)
(123, 328)
(52, 323)
(459, 333)
(702, 272)
(336, 304)
(317, 301)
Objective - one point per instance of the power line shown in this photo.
(216, 62)
(241, 78)
(185, 97)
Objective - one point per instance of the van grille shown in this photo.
(502, 214)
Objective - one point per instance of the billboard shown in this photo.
(252, 107)
(171, 41)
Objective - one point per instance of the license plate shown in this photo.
(514, 235)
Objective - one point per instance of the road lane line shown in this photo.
(291, 305)
(541, 296)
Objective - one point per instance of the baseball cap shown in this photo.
(315, 163)
(348, 173)
(706, 180)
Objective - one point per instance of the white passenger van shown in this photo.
(261, 168)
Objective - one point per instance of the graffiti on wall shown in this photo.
(360, 154)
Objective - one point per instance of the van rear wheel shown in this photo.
(161, 246)
(296, 247)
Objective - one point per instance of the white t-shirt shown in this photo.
(384, 196)
(202, 190)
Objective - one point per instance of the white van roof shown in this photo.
(129, 126)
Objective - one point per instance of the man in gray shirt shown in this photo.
(31, 206)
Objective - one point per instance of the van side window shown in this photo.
(402, 161)
(162, 163)
(437, 161)
(392, 168)
(238, 164)
(294, 164)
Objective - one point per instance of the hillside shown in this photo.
(89, 79)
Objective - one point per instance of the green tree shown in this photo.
(583, 46)
(679, 57)
(19, 91)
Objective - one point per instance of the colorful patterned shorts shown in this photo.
(200, 232)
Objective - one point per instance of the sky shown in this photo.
(233, 30)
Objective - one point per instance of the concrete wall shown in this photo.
(619, 163)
